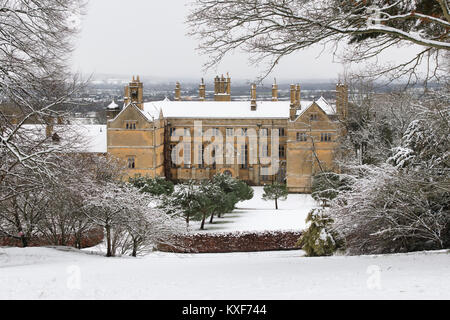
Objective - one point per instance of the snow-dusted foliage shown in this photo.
(327, 185)
(401, 202)
(215, 197)
(390, 210)
(131, 225)
(35, 41)
(273, 29)
(425, 144)
(276, 192)
(318, 239)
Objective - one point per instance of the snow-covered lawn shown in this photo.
(43, 273)
(259, 215)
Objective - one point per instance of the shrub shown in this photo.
(318, 239)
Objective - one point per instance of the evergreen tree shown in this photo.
(318, 239)
(275, 191)
(155, 186)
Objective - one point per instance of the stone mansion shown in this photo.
(183, 140)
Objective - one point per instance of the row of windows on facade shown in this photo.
(229, 131)
(324, 137)
(187, 157)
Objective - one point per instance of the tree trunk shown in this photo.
(212, 218)
(24, 240)
(135, 246)
(276, 203)
(202, 227)
(108, 241)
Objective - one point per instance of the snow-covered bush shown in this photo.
(327, 185)
(155, 186)
(390, 210)
(318, 239)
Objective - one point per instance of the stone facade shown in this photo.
(142, 134)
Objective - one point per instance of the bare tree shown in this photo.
(35, 42)
(272, 29)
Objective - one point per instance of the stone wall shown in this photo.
(233, 242)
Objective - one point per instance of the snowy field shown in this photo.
(44, 273)
(259, 215)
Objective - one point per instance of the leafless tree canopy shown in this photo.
(272, 29)
(35, 42)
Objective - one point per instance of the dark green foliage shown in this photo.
(156, 186)
(210, 198)
(318, 239)
(275, 191)
(327, 185)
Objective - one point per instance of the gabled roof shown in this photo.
(323, 105)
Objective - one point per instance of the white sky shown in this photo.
(149, 38)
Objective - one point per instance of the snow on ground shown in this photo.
(259, 215)
(44, 273)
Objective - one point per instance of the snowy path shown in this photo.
(50, 274)
(259, 215)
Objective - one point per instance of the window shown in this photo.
(243, 131)
(200, 157)
(131, 162)
(281, 132)
(172, 163)
(187, 155)
(313, 117)
(325, 137)
(264, 150)
(230, 132)
(264, 132)
(171, 131)
(130, 125)
(244, 157)
(282, 151)
(301, 136)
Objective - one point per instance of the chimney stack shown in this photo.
(292, 96)
(275, 91)
(253, 97)
(178, 92)
(342, 100)
(202, 91)
(297, 96)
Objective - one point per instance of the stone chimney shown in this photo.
(253, 97)
(222, 88)
(297, 96)
(178, 92)
(202, 91)
(342, 100)
(292, 96)
(134, 92)
(275, 91)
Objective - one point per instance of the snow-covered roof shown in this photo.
(221, 110)
(113, 105)
(322, 103)
(86, 138)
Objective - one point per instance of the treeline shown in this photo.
(199, 201)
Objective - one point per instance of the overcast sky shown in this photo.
(149, 38)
